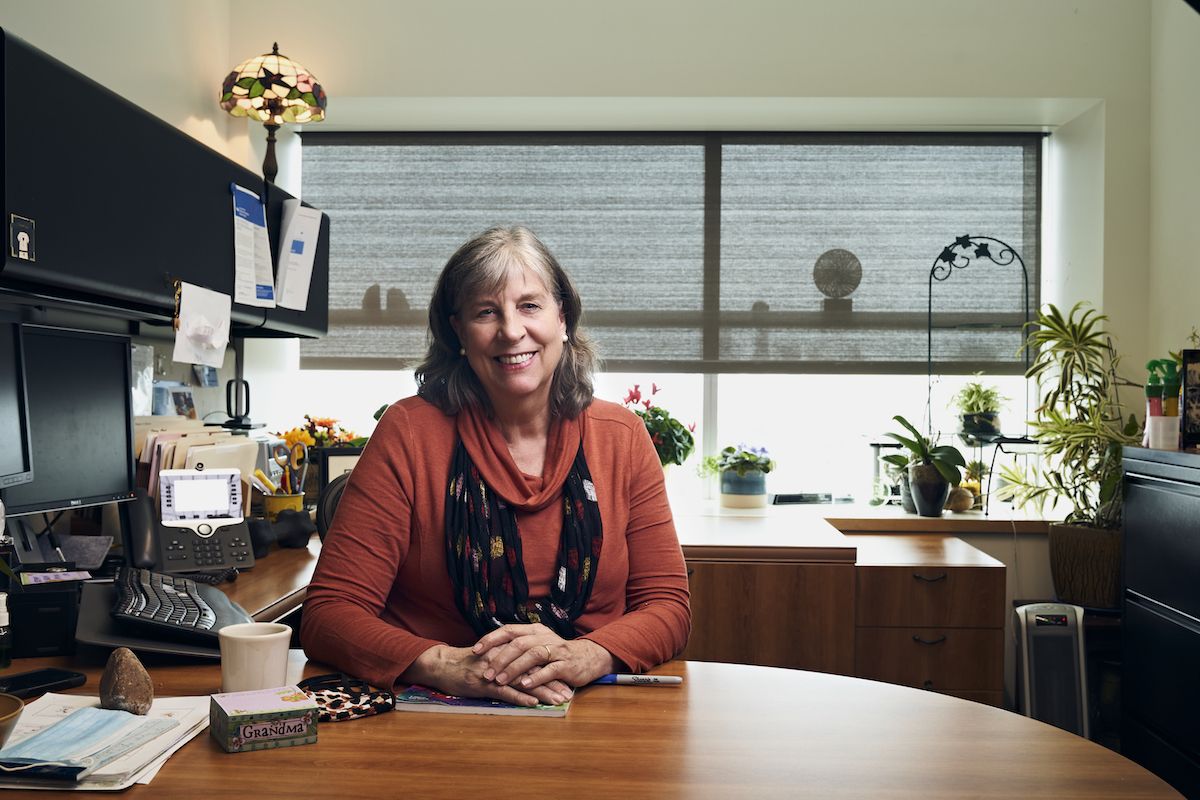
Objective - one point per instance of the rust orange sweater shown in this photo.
(381, 594)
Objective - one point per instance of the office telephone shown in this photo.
(198, 525)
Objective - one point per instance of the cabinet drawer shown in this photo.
(942, 659)
(950, 597)
(1162, 540)
(1161, 660)
(1144, 746)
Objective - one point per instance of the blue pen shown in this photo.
(639, 680)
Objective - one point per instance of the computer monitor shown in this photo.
(80, 420)
(16, 464)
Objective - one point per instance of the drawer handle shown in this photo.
(921, 640)
(928, 686)
(690, 570)
(939, 577)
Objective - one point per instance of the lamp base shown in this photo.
(270, 165)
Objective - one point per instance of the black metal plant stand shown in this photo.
(961, 254)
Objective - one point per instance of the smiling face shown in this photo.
(513, 338)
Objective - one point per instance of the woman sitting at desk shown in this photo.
(504, 534)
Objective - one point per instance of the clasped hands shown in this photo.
(519, 664)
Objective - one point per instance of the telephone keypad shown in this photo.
(182, 551)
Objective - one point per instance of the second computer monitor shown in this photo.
(16, 464)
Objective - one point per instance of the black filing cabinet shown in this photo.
(1160, 686)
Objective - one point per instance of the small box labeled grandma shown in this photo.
(262, 719)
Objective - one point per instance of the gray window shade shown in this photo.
(629, 216)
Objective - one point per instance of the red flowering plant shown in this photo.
(672, 440)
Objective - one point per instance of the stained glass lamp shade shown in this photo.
(273, 89)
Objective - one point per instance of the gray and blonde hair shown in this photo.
(480, 267)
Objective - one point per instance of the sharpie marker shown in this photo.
(640, 680)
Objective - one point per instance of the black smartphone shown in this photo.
(40, 681)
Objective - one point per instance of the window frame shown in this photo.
(711, 319)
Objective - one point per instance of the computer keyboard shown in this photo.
(172, 606)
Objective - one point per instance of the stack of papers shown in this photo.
(180, 443)
(131, 750)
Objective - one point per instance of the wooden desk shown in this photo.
(729, 731)
(278, 584)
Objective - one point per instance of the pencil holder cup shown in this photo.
(274, 503)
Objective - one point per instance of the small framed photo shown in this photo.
(185, 406)
(336, 461)
(205, 375)
(1189, 414)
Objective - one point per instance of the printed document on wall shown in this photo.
(253, 283)
(297, 245)
(203, 330)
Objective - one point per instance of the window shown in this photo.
(699, 253)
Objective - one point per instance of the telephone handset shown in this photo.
(198, 525)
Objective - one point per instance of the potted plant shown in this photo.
(672, 440)
(973, 476)
(932, 470)
(1082, 428)
(743, 473)
(978, 411)
(899, 462)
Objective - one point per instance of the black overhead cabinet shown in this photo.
(123, 204)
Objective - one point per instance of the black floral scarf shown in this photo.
(483, 552)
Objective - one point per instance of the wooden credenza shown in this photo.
(789, 590)
(763, 595)
(774, 614)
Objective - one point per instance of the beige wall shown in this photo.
(1084, 65)
(1174, 299)
(167, 57)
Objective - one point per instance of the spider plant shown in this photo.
(1080, 421)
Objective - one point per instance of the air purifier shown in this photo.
(1051, 668)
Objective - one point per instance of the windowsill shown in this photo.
(853, 518)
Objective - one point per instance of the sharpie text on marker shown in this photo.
(641, 680)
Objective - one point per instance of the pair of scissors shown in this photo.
(290, 459)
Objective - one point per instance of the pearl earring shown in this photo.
(566, 338)
(462, 351)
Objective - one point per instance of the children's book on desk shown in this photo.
(421, 698)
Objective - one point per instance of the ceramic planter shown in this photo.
(983, 426)
(743, 491)
(1085, 564)
(906, 500)
(929, 489)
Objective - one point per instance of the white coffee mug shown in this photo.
(254, 655)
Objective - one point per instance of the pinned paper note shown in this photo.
(254, 283)
(297, 245)
(203, 330)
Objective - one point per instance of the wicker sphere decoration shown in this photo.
(837, 273)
